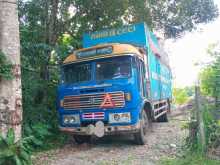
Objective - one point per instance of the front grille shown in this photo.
(92, 101)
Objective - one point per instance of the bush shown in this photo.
(44, 137)
(212, 129)
(40, 133)
(14, 152)
(180, 96)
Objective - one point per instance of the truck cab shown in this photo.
(106, 87)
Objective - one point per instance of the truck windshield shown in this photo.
(119, 67)
(75, 73)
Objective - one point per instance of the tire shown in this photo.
(163, 118)
(80, 139)
(140, 136)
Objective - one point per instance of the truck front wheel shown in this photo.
(140, 136)
(80, 139)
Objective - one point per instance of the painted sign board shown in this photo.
(130, 34)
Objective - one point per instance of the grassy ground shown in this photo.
(190, 159)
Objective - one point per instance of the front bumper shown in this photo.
(108, 130)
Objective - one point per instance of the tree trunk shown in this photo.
(10, 90)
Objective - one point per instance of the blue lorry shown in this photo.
(118, 83)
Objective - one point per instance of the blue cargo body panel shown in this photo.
(131, 34)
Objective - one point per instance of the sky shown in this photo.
(185, 52)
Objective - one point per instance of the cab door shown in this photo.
(142, 78)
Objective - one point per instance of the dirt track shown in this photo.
(164, 141)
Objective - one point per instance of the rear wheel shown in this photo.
(80, 139)
(140, 136)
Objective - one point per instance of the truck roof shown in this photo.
(104, 51)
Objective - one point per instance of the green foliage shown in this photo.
(99, 14)
(40, 133)
(210, 75)
(175, 17)
(190, 90)
(66, 43)
(40, 59)
(5, 67)
(180, 96)
(14, 152)
(208, 81)
(212, 129)
(172, 17)
(44, 137)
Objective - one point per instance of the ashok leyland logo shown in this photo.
(92, 100)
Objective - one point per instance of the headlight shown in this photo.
(120, 117)
(71, 119)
